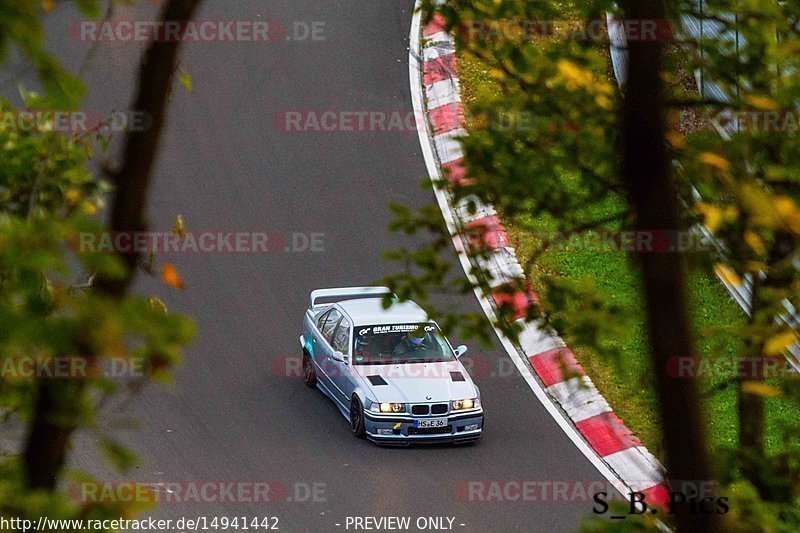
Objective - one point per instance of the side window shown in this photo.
(341, 341)
(330, 324)
(321, 319)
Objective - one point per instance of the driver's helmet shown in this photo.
(416, 337)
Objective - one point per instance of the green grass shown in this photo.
(626, 381)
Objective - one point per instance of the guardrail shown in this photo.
(696, 29)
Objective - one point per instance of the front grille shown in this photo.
(420, 409)
(430, 431)
(439, 408)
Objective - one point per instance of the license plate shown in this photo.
(431, 423)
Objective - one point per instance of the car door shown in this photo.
(323, 336)
(341, 371)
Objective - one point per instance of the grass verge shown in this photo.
(626, 381)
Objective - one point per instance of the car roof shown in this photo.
(370, 311)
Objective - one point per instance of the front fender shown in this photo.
(362, 396)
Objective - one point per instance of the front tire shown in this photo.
(357, 418)
(309, 372)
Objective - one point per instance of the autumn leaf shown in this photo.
(179, 229)
(778, 343)
(574, 76)
(786, 208)
(755, 243)
(157, 304)
(186, 80)
(73, 196)
(89, 207)
(760, 389)
(170, 276)
(675, 139)
(712, 215)
(727, 274)
(761, 102)
(715, 160)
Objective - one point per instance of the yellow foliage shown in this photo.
(761, 102)
(727, 274)
(574, 76)
(712, 215)
(73, 196)
(604, 102)
(675, 139)
(90, 208)
(777, 344)
(715, 160)
(760, 389)
(179, 229)
(755, 243)
(787, 210)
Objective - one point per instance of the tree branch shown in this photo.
(56, 411)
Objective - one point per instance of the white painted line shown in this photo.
(441, 198)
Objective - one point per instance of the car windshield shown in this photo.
(391, 344)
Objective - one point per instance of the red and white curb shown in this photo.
(572, 399)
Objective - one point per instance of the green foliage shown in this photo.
(544, 150)
(50, 312)
(20, 25)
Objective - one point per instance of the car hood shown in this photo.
(417, 382)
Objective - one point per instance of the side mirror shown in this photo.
(461, 350)
(339, 356)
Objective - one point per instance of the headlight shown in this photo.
(468, 403)
(386, 407)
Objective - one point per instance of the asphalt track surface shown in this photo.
(226, 167)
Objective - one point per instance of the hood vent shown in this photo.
(457, 376)
(377, 380)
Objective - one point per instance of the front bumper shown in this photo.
(397, 430)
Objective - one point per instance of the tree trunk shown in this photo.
(646, 174)
(56, 406)
(132, 181)
(751, 405)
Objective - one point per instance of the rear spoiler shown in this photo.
(347, 292)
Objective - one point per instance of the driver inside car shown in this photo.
(415, 341)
